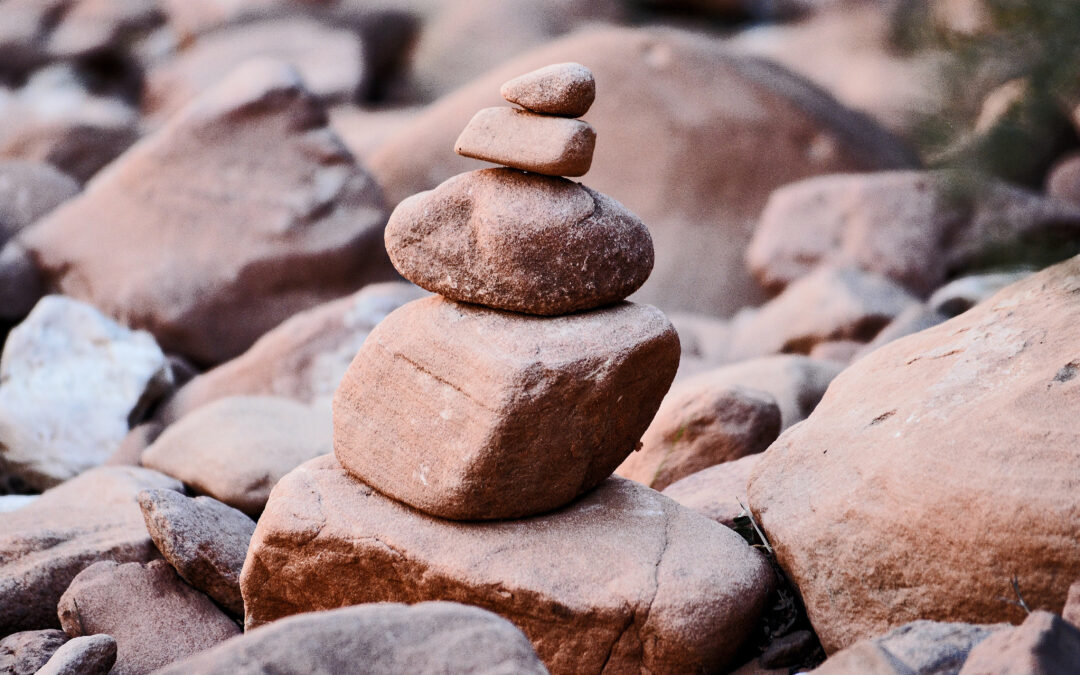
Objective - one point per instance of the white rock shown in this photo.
(72, 383)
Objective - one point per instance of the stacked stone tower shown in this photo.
(526, 381)
(476, 431)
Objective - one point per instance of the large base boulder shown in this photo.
(623, 579)
(936, 470)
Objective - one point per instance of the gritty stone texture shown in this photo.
(922, 647)
(522, 242)
(72, 382)
(429, 637)
(25, 652)
(559, 89)
(553, 146)
(86, 655)
(974, 417)
(153, 615)
(441, 407)
(236, 448)
(716, 492)
(622, 580)
(203, 539)
(1044, 643)
(251, 163)
(698, 425)
(45, 544)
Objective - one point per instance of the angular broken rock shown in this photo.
(559, 89)
(72, 382)
(258, 212)
(701, 424)
(522, 242)
(976, 415)
(1044, 643)
(45, 544)
(85, 655)
(622, 580)
(553, 146)
(154, 616)
(428, 637)
(304, 358)
(716, 492)
(916, 228)
(25, 652)
(236, 448)
(442, 407)
(203, 539)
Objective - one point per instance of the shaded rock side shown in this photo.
(429, 637)
(444, 405)
(963, 434)
(521, 242)
(622, 580)
(46, 543)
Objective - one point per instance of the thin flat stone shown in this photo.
(553, 146)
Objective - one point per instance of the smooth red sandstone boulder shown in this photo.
(428, 637)
(304, 358)
(917, 228)
(964, 434)
(522, 242)
(698, 425)
(470, 413)
(257, 211)
(152, 614)
(552, 146)
(559, 89)
(715, 492)
(622, 580)
(763, 127)
(44, 544)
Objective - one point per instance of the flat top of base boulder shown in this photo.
(559, 89)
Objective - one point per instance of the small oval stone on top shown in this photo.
(566, 89)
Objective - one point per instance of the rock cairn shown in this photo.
(485, 410)
(476, 430)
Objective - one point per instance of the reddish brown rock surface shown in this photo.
(152, 614)
(559, 89)
(552, 146)
(622, 580)
(715, 492)
(309, 232)
(935, 470)
(429, 637)
(698, 425)
(46, 543)
(917, 228)
(763, 128)
(236, 448)
(1044, 643)
(442, 406)
(521, 242)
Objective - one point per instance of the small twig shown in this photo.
(1019, 602)
(753, 521)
